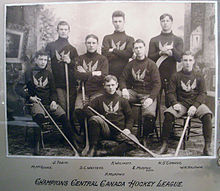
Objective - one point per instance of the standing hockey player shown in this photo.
(117, 47)
(166, 50)
(63, 56)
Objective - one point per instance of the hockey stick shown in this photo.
(86, 149)
(130, 136)
(67, 92)
(182, 136)
(74, 149)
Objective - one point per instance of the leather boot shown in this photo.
(164, 148)
(37, 148)
(207, 149)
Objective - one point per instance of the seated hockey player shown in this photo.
(187, 94)
(40, 87)
(91, 69)
(140, 82)
(115, 109)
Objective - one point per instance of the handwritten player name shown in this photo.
(60, 162)
(120, 163)
(145, 168)
(108, 183)
(91, 167)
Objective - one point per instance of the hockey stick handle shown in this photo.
(42, 106)
(182, 136)
(67, 92)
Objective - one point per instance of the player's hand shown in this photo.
(191, 111)
(97, 73)
(81, 69)
(177, 107)
(169, 52)
(35, 99)
(147, 102)
(125, 93)
(126, 131)
(53, 106)
(66, 58)
(110, 49)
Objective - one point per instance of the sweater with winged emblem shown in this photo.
(57, 50)
(142, 76)
(115, 108)
(168, 66)
(40, 83)
(122, 45)
(187, 88)
(91, 62)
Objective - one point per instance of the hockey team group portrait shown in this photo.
(111, 79)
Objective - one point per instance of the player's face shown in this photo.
(111, 86)
(166, 24)
(188, 62)
(139, 50)
(91, 45)
(41, 61)
(63, 31)
(118, 23)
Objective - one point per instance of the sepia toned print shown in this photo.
(143, 44)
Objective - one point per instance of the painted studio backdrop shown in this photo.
(31, 27)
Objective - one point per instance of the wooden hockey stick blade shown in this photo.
(74, 149)
(182, 136)
(86, 149)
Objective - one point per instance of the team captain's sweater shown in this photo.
(92, 62)
(123, 45)
(168, 66)
(187, 88)
(115, 108)
(142, 76)
(57, 50)
(40, 83)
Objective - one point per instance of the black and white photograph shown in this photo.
(138, 81)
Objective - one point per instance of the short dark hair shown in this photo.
(41, 53)
(166, 15)
(118, 13)
(92, 36)
(187, 53)
(138, 41)
(63, 23)
(109, 77)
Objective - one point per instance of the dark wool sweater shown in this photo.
(40, 83)
(123, 45)
(92, 62)
(168, 66)
(56, 50)
(187, 88)
(142, 76)
(115, 108)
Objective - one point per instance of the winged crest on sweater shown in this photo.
(187, 86)
(110, 109)
(39, 82)
(138, 76)
(166, 46)
(90, 67)
(118, 46)
(60, 56)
